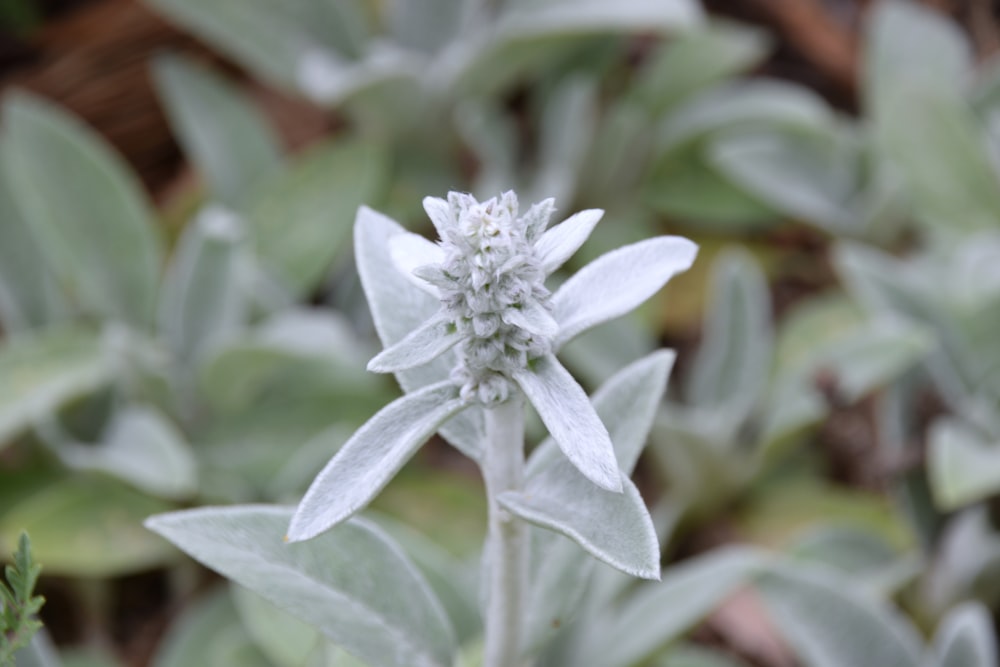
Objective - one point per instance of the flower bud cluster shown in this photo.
(490, 283)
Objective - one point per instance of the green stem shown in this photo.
(506, 543)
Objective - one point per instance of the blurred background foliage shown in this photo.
(182, 321)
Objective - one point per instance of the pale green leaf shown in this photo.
(575, 16)
(695, 656)
(29, 297)
(91, 216)
(452, 580)
(317, 350)
(272, 41)
(425, 25)
(568, 121)
(425, 343)
(809, 175)
(613, 527)
(84, 526)
(683, 185)
(353, 583)
(209, 634)
(766, 102)
(571, 420)
(829, 624)
(733, 362)
(695, 59)
(141, 448)
(301, 220)
(907, 44)
(963, 465)
(938, 146)
(283, 638)
(966, 638)
(204, 298)
(223, 135)
(530, 37)
(617, 282)
(659, 613)
(372, 457)
(39, 375)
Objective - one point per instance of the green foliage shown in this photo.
(19, 606)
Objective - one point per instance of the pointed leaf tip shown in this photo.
(432, 339)
(373, 455)
(619, 281)
(570, 418)
(559, 243)
(439, 211)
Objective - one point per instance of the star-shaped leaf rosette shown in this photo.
(469, 327)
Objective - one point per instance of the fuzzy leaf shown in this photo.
(907, 44)
(452, 580)
(613, 527)
(809, 175)
(965, 639)
(528, 36)
(938, 146)
(559, 243)
(412, 251)
(734, 360)
(373, 455)
(203, 299)
(222, 133)
(269, 40)
(830, 625)
(354, 583)
(567, 124)
(683, 185)
(963, 466)
(567, 17)
(626, 404)
(694, 59)
(425, 343)
(773, 103)
(142, 448)
(209, 632)
(90, 213)
(659, 613)
(398, 307)
(618, 281)
(439, 211)
(572, 421)
(29, 297)
(82, 526)
(285, 639)
(302, 219)
(424, 25)
(38, 375)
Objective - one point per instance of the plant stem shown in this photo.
(506, 543)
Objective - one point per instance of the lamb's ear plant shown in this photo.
(471, 332)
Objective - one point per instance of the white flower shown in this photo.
(490, 279)
(495, 331)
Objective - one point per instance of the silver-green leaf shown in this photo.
(354, 583)
(372, 457)
(829, 624)
(90, 214)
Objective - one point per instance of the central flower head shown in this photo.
(492, 288)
